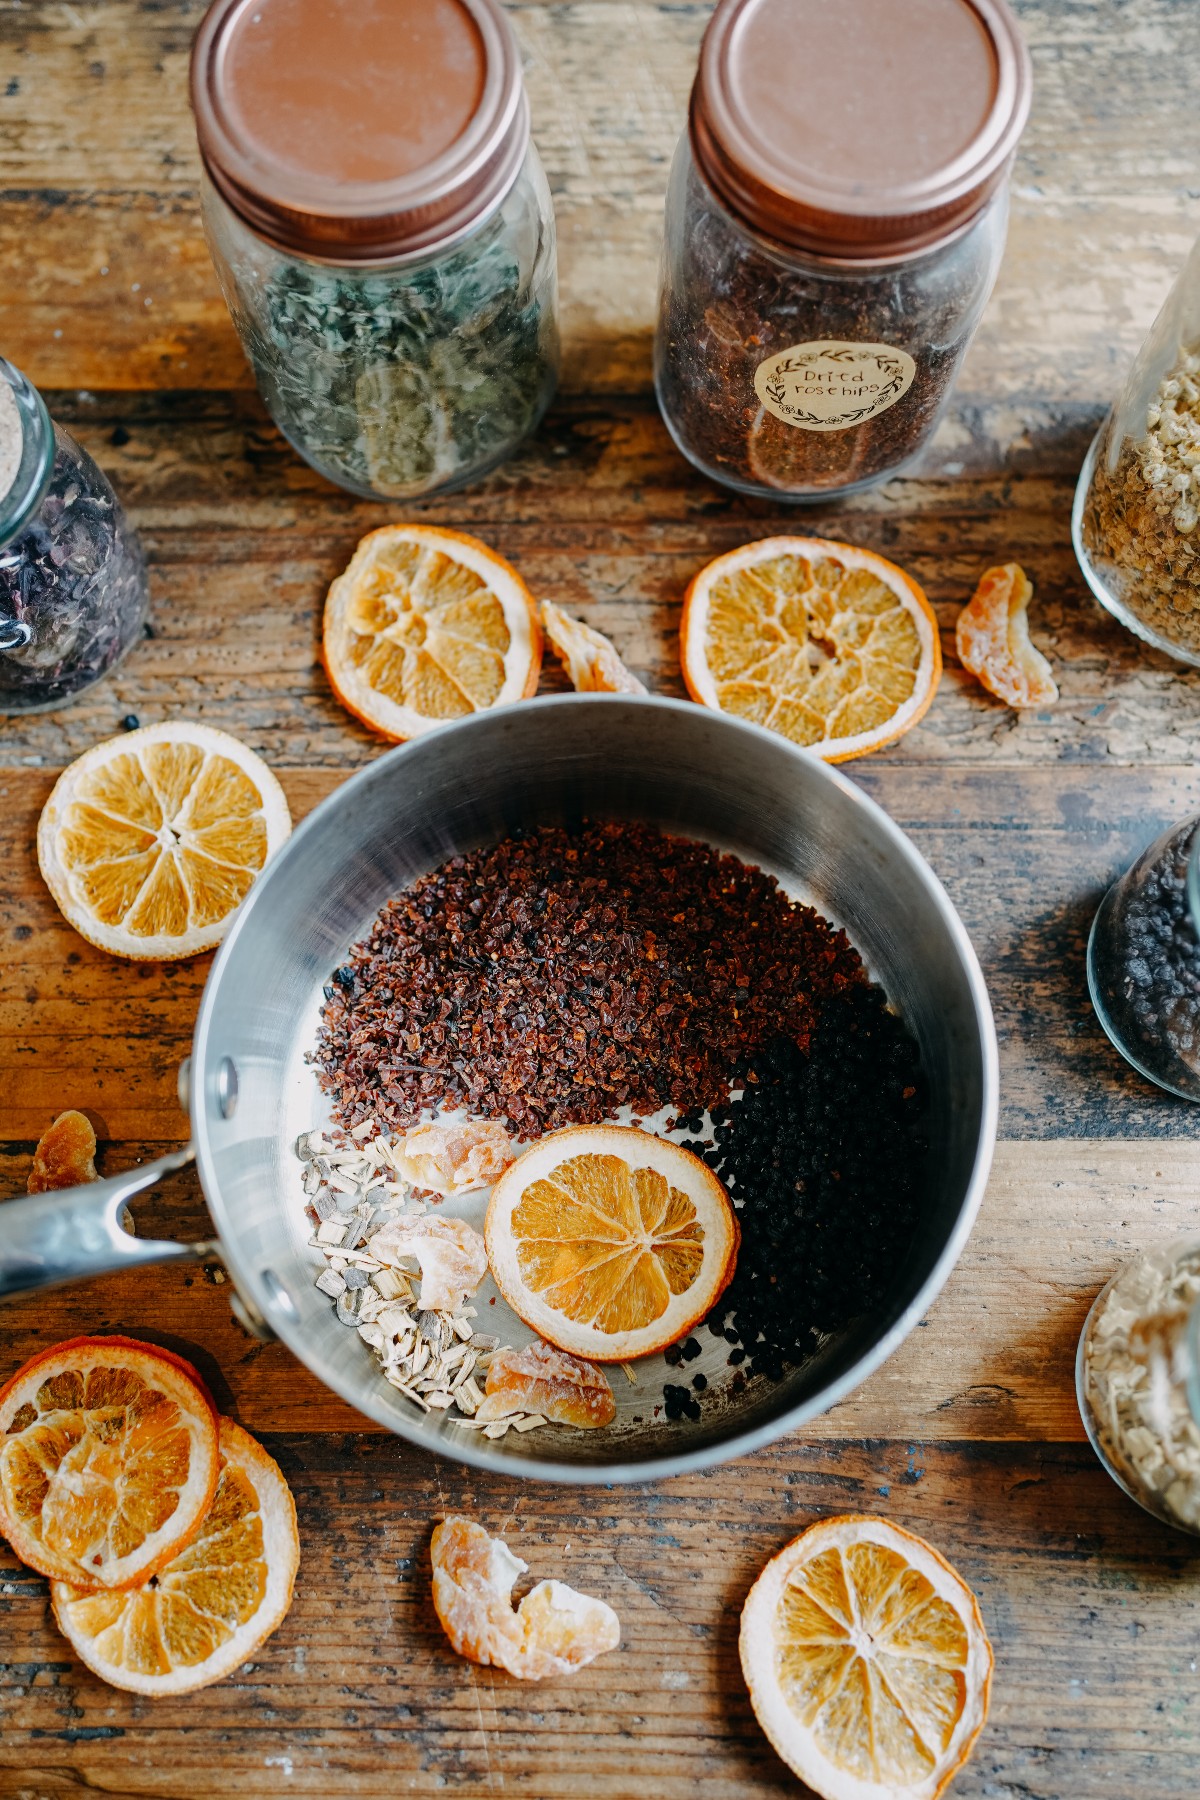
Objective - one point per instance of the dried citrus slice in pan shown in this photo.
(211, 1606)
(427, 625)
(827, 644)
(108, 1460)
(150, 841)
(867, 1662)
(610, 1243)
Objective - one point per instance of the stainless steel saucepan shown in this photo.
(552, 760)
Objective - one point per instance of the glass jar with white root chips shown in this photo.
(1138, 1381)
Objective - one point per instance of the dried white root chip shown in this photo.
(554, 1631)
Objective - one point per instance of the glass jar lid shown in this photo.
(359, 130)
(859, 128)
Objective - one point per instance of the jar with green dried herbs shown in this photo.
(386, 246)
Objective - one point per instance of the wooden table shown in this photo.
(970, 1434)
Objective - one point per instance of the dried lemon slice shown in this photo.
(827, 644)
(150, 842)
(108, 1460)
(427, 625)
(213, 1605)
(609, 1242)
(867, 1662)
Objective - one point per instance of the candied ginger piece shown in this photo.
(449, 1253)
(993, 640)
(587, 656)
(554, 1631)
(454, 1158)
(65, 1156)
(538, 1379)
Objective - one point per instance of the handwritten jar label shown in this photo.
(830, 385)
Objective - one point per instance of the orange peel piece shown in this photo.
(449, 1253)
(455, 1158)
(65, 1156)
(589, 658)
(554, 1631)
(993, 640)
(537, 1379)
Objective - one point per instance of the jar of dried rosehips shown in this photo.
(835, 220)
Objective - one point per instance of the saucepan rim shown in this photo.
(721, 1448)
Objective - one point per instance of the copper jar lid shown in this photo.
(859, 128)
(359, 130)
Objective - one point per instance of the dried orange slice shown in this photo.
(610, 1243)
(867, 1662)
(589, 658)
(427, 625)
(992, 636)
(830, 645)
(212, 1605)
(554, 1631)
(150, 842)
(108, 1460)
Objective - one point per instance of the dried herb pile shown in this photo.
(555, 976)
(401, 380)
(72, 588)
(1141, 516)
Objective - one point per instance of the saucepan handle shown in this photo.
(69, 1234)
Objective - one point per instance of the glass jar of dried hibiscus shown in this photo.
(73, 591)
(382, 230)
(835, 220)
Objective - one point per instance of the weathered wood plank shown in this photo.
(1025, 853)
(1094, 1628)
(98, 166)
(601, 514)
(994, 1359)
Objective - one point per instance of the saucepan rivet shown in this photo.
(277, 1294)
(227, 1087)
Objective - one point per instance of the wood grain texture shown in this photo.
(600, 513)
(1092, 1608)
(97, 156)
(970, 1432)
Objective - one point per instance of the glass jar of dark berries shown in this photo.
(73, 592)
(1144, 962)
(835, 221)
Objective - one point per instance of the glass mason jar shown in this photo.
(1143, 962)
(827, 257)
(1137, 505)
(1137, 1381)
(73, 588)
(390, 267)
